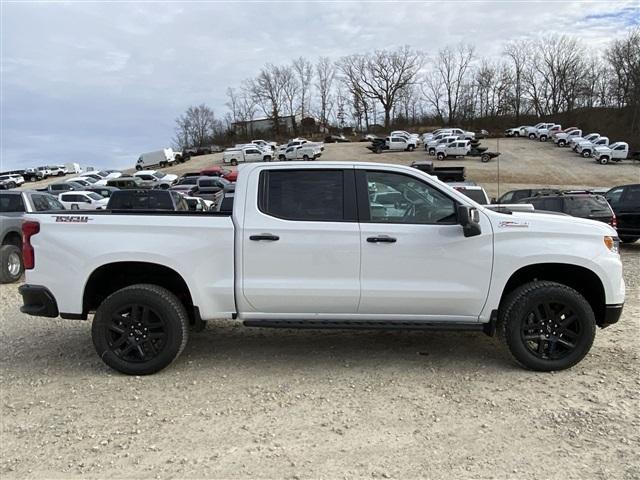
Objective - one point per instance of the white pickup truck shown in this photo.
(246, 153)
(320, 246)
(616, 152)
(306, 152)
(561, 139)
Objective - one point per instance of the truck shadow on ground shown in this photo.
(229, 345)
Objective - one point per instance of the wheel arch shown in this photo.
(110, 277)
(13, 237)
(582, 279)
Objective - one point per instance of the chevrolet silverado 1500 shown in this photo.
(326, 245)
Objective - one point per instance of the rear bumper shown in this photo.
(611, 314)
(38, 301)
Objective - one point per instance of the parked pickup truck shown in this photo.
(586, 147)
(394, 144)
(616, 152)
(306, 152)
(246, 153)
(561, 139)
(463, 148)
(13, 205)
(318, 246)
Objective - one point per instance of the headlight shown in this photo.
(612, 243)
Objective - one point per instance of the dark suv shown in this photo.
(514, 196)
(625, 201)
(593, 207)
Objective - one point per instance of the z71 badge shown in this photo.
(72, 219)
(513, 224)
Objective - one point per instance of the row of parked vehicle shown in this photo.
(587, 145)
(263, 151)
(15, 178)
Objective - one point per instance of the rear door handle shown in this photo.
(381, 239)
(264, 236)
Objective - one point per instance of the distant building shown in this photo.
(266, 125)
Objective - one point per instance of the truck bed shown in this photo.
(197, 245)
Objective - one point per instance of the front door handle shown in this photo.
(264, 236)
(381, 239)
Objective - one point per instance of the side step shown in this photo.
(367, 324)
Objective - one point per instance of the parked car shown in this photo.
(104, 191)
(561, 139)
(213, 188)
(473, 191)
(574, 141)
(215, 171)
(59, 187)
(264, 144)
(306, 152)
(83, 180)
(156, 178)
(586, 148)
(147, 200)
(32, 175)
(514, 196)
(247, 153)
(82, 200)
(161, 158)
(437, 260)
(593, 207)
(11, 181)
(616, 152)
(515, 131)
(13, 205)
(393, 144)
(336, 139)
(625, 202)
(126, 183)
(532, 132)
(73, 167)
(44, 171)
(57, 170)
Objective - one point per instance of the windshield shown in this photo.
(158, 175)
(94, 196)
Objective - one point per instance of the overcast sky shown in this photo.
(99, 83)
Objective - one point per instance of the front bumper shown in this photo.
(38, 301)
(611, 314)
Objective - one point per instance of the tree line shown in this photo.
(547, 76)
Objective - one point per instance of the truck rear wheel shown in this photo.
(305, 158)
(11, 267)
(561, 143)
(547, 326)
(484, 158)
(532, 136)
(140, 329)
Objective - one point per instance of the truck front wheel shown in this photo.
(140, 329)
(440, 156)
(547, 326)
(603, 160)
(411, 148)
(586, 153)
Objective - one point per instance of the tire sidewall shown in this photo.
(6, 251)
(156, 299)
(549, 292)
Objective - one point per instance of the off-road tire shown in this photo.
(515, 309)
(169, 310)
(10, 253)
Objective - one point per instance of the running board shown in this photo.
(367, 324)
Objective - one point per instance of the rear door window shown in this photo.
(303, 195)
(11, 203)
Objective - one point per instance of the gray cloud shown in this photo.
(98, 83)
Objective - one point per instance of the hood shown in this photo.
(602, 148)
(546, 222)
(169, 177)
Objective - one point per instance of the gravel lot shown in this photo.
(298, 404)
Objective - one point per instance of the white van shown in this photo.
(161, 158)
(73, 168)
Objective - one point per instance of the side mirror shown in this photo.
(199, 208)
(469, 219)
(494, 200)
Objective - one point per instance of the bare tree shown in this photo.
(452, 66)
(383, 74)
(268, 91)
(304, 72)
(518, 52)
(325, 73)
(624, 58)
(196, 127)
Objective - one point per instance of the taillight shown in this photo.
(29, 229)
(614, 221)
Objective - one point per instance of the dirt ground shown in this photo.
(251, 403)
